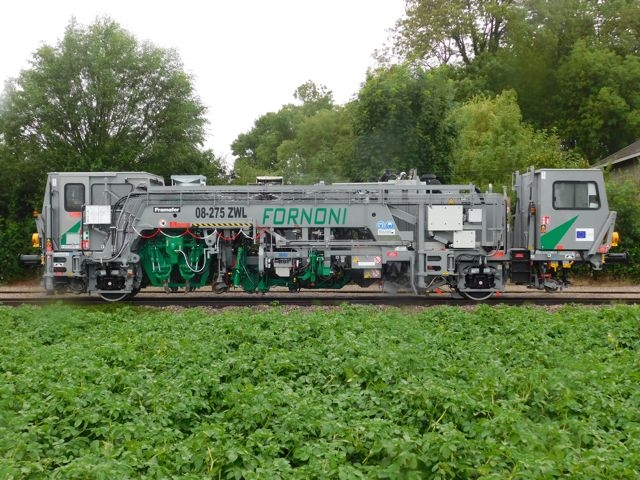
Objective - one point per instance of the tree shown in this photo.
(322, 150)
(260, 150)
(618, 23)
(100, 100)
(400, 123)
(573, 63)
(493, 142)
(451, 31)
(599, 92)
(540, 34)
(314, 97)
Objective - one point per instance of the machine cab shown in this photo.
(561, 210)
(69, 194)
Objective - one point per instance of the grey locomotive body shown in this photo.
(112, 234)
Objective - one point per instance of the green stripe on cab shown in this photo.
(550, 240)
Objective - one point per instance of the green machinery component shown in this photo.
(242, 276)
(315, 274)
(175, 262)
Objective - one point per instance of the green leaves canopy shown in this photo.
(572, 63)
(397, 122)
(493, 142)
(100, 100)
(297, 141)
(600, 91)
(323, 148)
(400, 123)
(451, 31)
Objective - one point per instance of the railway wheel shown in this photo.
(113, 297)
(476, 296)
(551, 286)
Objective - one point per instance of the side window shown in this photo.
(73, 197)
(575, 196)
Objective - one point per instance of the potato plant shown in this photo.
(348, 392)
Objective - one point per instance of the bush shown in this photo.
(624, 198)
(15, 238)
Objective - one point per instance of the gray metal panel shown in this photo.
(569, 228)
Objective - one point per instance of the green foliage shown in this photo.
(314, 97)
(21, 191)
(624, 198)
(493, 142)
(258, 148)
(601, 100)
(400, 123)
(573, 64)
(397, 122)
(451, 31)
(619, 27)
(15, 238)
(352, 392)
(322, 149)
(304, 143)
(100, 100)
(539, 39)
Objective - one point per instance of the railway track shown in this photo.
(156, 298)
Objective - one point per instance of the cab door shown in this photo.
(573, 209)
(68, 199)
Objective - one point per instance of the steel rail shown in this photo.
(253, 300)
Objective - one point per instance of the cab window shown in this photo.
(73, 197)
(575, 196)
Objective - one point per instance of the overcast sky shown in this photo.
(247, 57)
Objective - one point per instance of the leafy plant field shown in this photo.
(350, 392)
